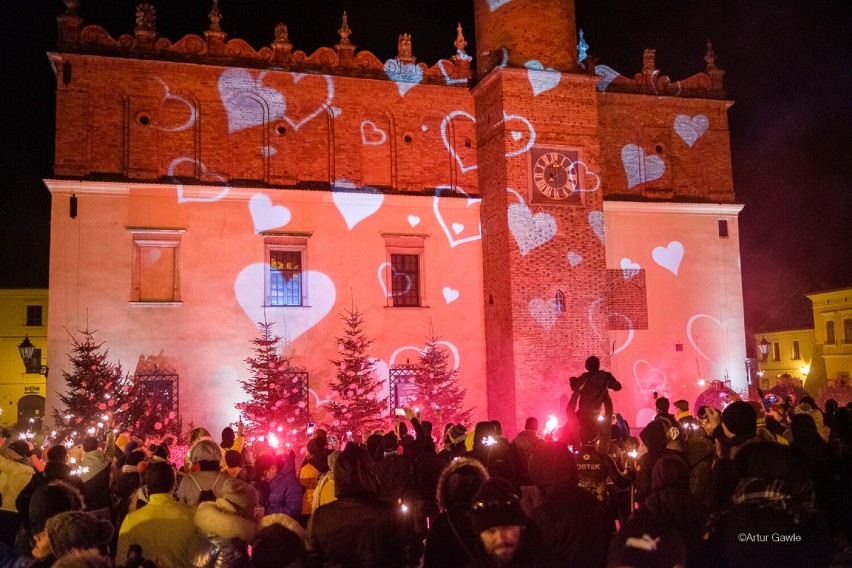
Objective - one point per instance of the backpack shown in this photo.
(206, 494)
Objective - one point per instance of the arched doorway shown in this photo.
(31, 407)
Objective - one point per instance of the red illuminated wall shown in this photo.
(349, 158)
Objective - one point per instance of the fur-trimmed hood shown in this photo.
(219, 518)
(285, 521)
(455, 489)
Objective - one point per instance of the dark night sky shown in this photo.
(788, 68)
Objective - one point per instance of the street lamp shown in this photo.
(26, 348)
(763, 346)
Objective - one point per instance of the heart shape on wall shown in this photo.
(541, 79)
(649, 378)
(239, 90)
(669, 257)
(519, 129)
(266, 216)
(691, 129)
(692, 338)
(405, 75)
(596, 222)
(640, 168)
(199, 194)
(439, 215)
(355, 204)
(530, 231)
(545, 312)
(629, 268)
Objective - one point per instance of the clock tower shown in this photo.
(546, 285)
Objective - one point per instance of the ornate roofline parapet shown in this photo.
(214, 48)
(649, 81)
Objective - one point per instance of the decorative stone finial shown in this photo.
(146, 18)
(215, 17)
(710, 56)
(648, 60)
(345, 31)
(460, 42)
(281, 33)
(403, 52)
(71, 7)
(582, 48)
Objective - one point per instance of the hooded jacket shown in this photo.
(285, 491)
(14, 476)
(224, 536)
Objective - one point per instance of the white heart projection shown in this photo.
(453, 349)
(691, 129)
(450, 295)
(541, 79)
(649, 378)
(640, 168)
(494, 4)
(329, 86)
(630, 334)
(237, 89)
(669, 257)
(584, 179)
(545, 312)
(405, 75)
(167, 95)
(266, 216)
(458, 228)
(528, 129)
(607, 74)
(690, 337)
(596, 222)
(449, 80)
(382, 274)
(413, 220)
(193, 194)
(574, 259)
(356, 205)
(530, 231)
(440, 216)
(629, 268)
(289, 323)
(317, 400)
(602, 334)
(372, 135)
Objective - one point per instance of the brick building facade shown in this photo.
(547, 209)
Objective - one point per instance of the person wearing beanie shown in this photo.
(206, 479)
(227, 527)
(285, 491)
(734, 428)
(279, 544)
(574, 524)
(16, 470)
(84, 558)
(230, 441)
(315, 464)
(497, 455)
(506, 535)
(164, 528)
(72, 530)
(525, 443)
(393, 470)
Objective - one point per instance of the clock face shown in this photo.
(554, 175)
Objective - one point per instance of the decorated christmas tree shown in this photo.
(356, 407)
(153, 410)
(439, 397)
(277, 399)
(95, 387)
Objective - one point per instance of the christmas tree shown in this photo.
(277, 400)
(439, 395)
(153, 408)
(356, 407)
(95, 387)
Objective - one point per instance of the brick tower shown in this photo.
(545, 276)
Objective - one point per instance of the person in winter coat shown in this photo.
(285, 491)
(97, 472)
(451, 540)
(700, 453)
(265, 471)
(227, 527)
(575, 526)
(358, 529)
(670, 500)
(164, 528)
(279, 544)
(654, 438)
(592, 388)
(205, 477)
(497, 455)
(128, 482)
(55, 469)
(16, 470)
(324, 492)
(393, 470)
(825, 468)
(734, 428)
(315, 464)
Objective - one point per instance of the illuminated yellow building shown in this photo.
(23, 314)
(789, 351)
(833, 331)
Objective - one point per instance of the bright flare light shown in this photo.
(633, 454)
(489, 441)
(700, 382)
(551, 423)
(272, 439)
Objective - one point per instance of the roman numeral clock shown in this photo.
(554, 175)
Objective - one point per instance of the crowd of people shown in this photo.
(759, 483)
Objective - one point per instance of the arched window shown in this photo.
(560, 301)
(829, 333)
(847, 331)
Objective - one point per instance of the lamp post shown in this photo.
(26, 348)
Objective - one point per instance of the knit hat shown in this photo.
(496, 505)
(316, 445)
(647, 542)
(21, 448)
(277, 545)
(662, 405)
(205, 450)
(76, 529)
(135, 458)
(681, 405)
(552, 463)
(740, 419)
(50, 500)
(457, 433)
(389, 442)
(122, 441)
(238, 497)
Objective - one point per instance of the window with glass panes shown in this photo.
(285, 278)
(829, 332)
(34, 315)
(847, 331)
(405, 280)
